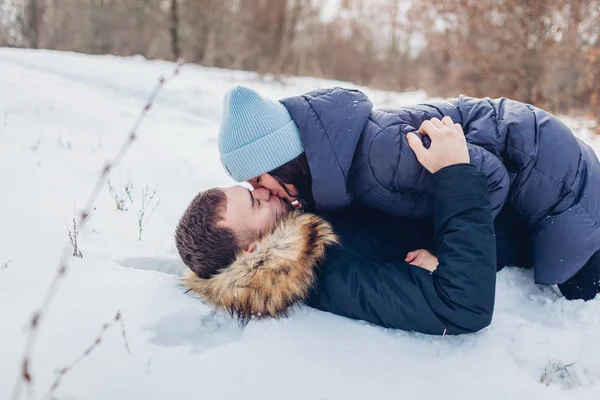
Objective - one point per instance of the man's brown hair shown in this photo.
(203, 245)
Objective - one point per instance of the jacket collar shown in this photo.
(331, 122)
(278, 273)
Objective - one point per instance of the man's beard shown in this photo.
(280, 214)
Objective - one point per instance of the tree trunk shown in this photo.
(174, 30)
(32, 24)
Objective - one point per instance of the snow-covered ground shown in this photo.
(63, 115)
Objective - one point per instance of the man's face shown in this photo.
(252, 212)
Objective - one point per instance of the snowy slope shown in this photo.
(63, 115)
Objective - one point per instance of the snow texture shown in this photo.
(63, 115)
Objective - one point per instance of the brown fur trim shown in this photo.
(278, 273)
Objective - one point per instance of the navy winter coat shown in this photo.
(366, 277)
(533, 163)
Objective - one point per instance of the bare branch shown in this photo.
(66, 369)
(25, 376)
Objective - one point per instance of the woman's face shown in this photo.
(268, 182)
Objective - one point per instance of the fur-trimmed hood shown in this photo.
(277, 274)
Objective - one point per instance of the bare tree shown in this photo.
(537, 51)
(12, 23)
(33, 18)
(4, 23)
(593, 81)
(174, 30)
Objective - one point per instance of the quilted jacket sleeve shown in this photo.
(457, 297)
(403, 179)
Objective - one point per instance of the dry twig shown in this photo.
(64, 370)
(25, 376)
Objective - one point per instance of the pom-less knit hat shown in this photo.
(257, 135)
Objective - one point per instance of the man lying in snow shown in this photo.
(250, 253)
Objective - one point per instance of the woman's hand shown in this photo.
(422, 258)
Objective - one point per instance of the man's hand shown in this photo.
(422, 258)
(448, 144)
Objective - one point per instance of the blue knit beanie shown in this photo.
(257, 135)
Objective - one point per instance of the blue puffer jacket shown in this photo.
(360, 156)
